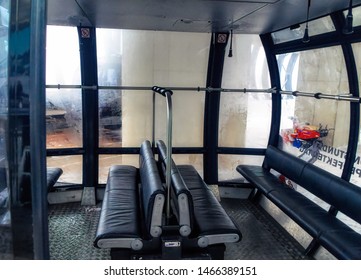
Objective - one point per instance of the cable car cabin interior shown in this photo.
(180, 129)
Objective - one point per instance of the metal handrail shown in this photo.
(168, 95)
(318, 95)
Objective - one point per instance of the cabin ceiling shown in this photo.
(247, 17)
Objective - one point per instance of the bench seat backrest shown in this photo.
(180, 193)
(335, 191)
(152, 190)
(284, 163)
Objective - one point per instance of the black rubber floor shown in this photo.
(263, 238)
(72, 229)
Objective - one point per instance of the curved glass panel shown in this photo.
(245, 118)
(296, 32)
(356, 174)
(315, 130)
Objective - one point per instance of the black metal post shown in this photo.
(38, 129)
(89, 79)
(275, 82)
(211, 111)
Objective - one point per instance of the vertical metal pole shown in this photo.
(169, 149)
(153, 123)
(212, 103)
(37, 130)
(168, 95)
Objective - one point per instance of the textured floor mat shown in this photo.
(263, 238)
(72, 230)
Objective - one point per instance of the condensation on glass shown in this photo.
(64, 119)
(227, 165)
(63, 106)
(245, 117)
(148, 58)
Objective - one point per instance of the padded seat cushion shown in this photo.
(344, 243)
(191, 177)
(120, 213)
(260, 177)
(122, 177)
(210, 216)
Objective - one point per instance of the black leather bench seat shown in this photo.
(208, 212)
(260, 177)
(334, 235)
(131, 217)
(118, 225)
(211, 224)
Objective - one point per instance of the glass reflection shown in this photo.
(4, 193)
(326, 122)
(110, 118)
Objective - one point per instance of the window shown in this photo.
(315, 130)
(144, 59)
(296, 32)
(245, 118)
(72, 167)
(64, 106)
